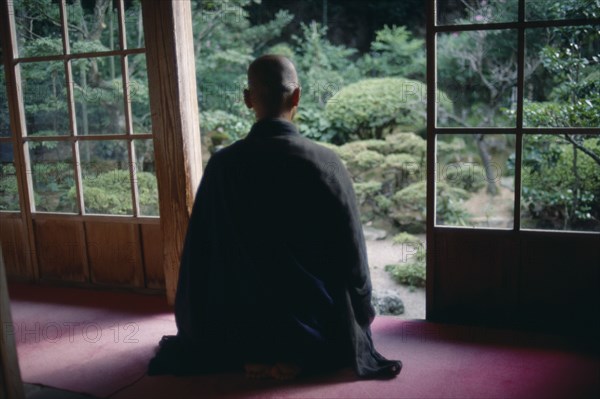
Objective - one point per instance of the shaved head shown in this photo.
(272, 81)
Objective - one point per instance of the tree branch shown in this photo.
(580, 147)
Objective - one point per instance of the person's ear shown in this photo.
(296, 97)
(247, 99)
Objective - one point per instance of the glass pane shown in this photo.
(106, 178)
(98, 93)
(138, 94)
(562, 82)
(9, 192)
(93, 28)
(133, 24)
(146, 177)
(563, 9)
(561, 182)
(460, 12)
(475, 180)
(52, 176)
(477, 77)
(45, 98)
(38, 28)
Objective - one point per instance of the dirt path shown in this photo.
(381, 253)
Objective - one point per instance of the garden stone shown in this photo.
(387, 303)
(373, 234)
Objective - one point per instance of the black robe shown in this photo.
(274, 266)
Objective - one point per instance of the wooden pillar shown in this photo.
(11, 386)
(173, 101)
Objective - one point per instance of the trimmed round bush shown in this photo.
(373, 108)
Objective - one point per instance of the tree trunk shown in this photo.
(490, 176)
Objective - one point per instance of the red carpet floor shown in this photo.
(99, 343)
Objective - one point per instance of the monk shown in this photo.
(274, 276)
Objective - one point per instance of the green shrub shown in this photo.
(366, 160)
(411, 274)
(222, 127)
(350, 149)
(411, 206)
(366, 190)
(9, 197)
(313, 123)
(554, 196)
(110, 193)
(389, 182)
(373, 108)
(405, 238)
(408, 143)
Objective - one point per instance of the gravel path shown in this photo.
(381, 253)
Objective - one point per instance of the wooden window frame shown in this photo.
(20, 138)
(170, 63)
(515, 239)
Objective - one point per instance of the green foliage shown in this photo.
(476, 69)
(366, 160)
(110, 193)
(282, 49)
(410, 274)
(379, 169)
(222, 127)
(51, 182)
(323, 68)
(561, 187)
(563, 9)
(410, 206)
(571, 63)
(225, 44)
(373, 108)
(313, 122)
(405, 238)
(9, 198)
(555, 197)
(408, 143)
(389, 182)
(366, 190)
(395, 53)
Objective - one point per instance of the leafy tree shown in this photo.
(323, 69)
(560, 188)
(395, 53)
(225, 43)
(561, 185)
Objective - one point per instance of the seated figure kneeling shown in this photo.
(274, 275)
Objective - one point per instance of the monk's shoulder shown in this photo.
(227, 154)
(316, 152)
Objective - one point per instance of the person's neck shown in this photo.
(288, 116)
